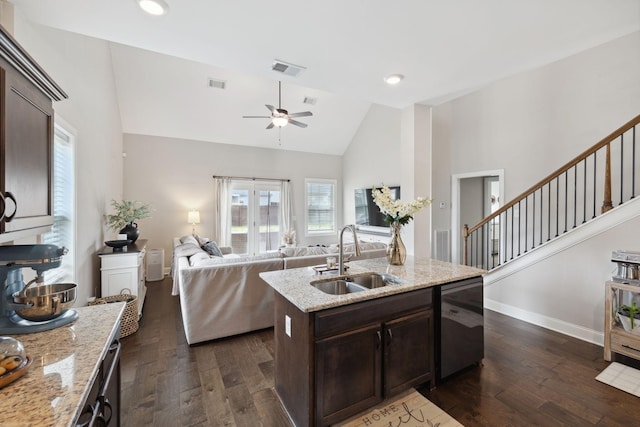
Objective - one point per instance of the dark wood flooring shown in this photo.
(529, 376)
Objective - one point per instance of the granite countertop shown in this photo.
(417, 273)
(65, 362)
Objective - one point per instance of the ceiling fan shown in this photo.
(281, 117)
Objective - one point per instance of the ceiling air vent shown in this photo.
(218, 84)
(309, 100)
(286, 68)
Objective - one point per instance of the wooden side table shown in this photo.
(616, 339)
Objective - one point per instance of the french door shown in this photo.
(255, 217)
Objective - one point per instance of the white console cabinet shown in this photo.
(123, 270)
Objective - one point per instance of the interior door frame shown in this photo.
(456, 227)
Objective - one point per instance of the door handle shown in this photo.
(8, 195)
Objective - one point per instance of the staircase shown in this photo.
(593, 183)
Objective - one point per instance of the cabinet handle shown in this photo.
(107, 405)
(390, 336)
(8, 195)
(107, 380)
(379, 339)
(95, 413)
(3, 207)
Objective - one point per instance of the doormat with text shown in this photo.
(409, 409)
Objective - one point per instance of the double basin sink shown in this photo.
(355, 283)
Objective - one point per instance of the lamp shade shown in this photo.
(193, 217)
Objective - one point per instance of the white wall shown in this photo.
(534, 122)
(82, 67)
(529, 125)
(175, 176)
(564, 290)
(373, 157)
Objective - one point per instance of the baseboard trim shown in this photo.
(553, 324)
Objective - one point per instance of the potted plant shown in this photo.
(629, 317)
(126, 213)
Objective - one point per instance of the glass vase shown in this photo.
(396, 251)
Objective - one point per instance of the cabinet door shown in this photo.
(408, 348)
(348, 374)
(26, 162)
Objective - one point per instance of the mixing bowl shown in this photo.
(46, 301)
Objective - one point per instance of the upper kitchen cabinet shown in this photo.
(26, 142)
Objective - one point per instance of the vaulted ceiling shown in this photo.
(443, 48)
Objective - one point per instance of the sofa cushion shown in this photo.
(197, 258)
(212, 249)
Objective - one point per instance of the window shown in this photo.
(63, 229)
(320, 195)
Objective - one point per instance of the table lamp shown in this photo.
(193, 218)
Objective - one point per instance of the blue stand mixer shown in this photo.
(33, 307)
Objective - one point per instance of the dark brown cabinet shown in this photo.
(348, 373)
(337, 362)
(26, 138)
(408, 355)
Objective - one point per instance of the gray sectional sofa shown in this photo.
(224, 296)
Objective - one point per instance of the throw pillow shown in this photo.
(212, 249)
(201, 240)
(189, 239)
(187, 250)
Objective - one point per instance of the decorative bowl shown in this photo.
(117, 244)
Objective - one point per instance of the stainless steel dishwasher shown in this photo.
(459, 326)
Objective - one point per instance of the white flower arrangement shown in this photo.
(289, 237)
(397, 211)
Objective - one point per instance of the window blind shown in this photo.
(63, 231)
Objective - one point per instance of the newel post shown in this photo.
(465, 235)
(606, 202)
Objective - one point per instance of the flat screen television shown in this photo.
(368, 215)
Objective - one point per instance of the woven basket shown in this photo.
(129, 321)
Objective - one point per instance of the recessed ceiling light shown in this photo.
(393, 79)
(154, 7)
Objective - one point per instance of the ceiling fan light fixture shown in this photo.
(154, 7)
(393, 79)
(280, 121)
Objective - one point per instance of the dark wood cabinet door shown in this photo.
(408, 349)
(26, 153)
(348, 374)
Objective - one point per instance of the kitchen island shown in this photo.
(337, 355)
(67, 364)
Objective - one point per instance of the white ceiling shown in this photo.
(443, 47)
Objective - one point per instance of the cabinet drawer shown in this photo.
(340, 319)
(109, 262)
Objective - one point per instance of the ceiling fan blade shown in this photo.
(297, 123)
(256, 117)
(302, 114)
(270, 125)
(270, 107)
